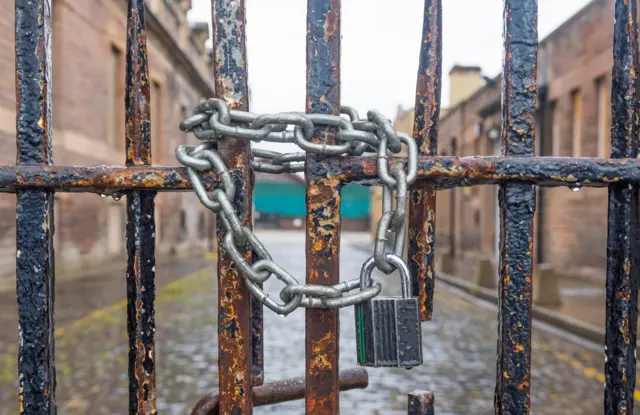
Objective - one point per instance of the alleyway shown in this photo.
(459, 347)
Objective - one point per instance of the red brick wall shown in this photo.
(81, 51)
(574, 224)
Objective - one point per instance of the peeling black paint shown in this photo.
(622, 241)
(35, 291)
(444, 171)
(447, 172)
(138, 90)
(140, 231)
(33, 86)
(140, 228)
(517, 208)
(35, 277)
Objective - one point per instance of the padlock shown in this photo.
(388, 328)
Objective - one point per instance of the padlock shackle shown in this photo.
(398, 263)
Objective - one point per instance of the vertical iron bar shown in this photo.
(35, 276)
(234, 300)
(517, 208)
(140, 227)
(420, 403)
(422, 219)
(323, 207)
(622, 246)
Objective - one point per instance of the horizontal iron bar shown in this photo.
(445, 171)
(282, 391)
(448, 172)
(98, 179)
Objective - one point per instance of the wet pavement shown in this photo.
(459, 347)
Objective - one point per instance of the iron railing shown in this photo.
(35, 179)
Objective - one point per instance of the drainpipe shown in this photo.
(452, 213)
(540, 236)
(543, 91)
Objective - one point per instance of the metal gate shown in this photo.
(35, 179)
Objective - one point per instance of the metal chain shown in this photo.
(212, 120)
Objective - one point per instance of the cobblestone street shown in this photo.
(459, 349)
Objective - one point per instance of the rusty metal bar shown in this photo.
(323, 207)
(282, 391)
(35, 277)
(622, 241)
(422, 200)
(444, 171)
(234, 300)
(420, 403)
(447, 172)
(99, 179)
(517, 208)
(140, 228)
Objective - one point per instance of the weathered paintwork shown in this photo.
(422, 195)
(622, 241)
(34, 179)
(421, 403)
(140, 228)
(323, 207)
(517, 208)
(235, 324)
(34, 211)
(281, 391)
(444, 172)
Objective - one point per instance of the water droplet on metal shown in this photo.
(575, 188)
(103, 195)
(117, 197)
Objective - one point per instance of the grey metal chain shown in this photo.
(212, 120)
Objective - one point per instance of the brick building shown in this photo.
(88, 122)
(574, 74)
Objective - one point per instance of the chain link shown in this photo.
(212, 120)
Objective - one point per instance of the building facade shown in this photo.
(574, 74)
(279, 203)
(88, 77)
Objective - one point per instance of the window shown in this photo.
(604, 123)
(156, 123)
(115, 87)
(576, 130)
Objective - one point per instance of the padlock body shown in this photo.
(388, 332)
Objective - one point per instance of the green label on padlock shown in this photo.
(360, 334)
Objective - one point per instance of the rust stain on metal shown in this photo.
(138, 96)
(236, 327)
(443, 171)
(323, 207)
(281, 391)
(421, 403)
(422, 195)
(517, 208)
(140, 227)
